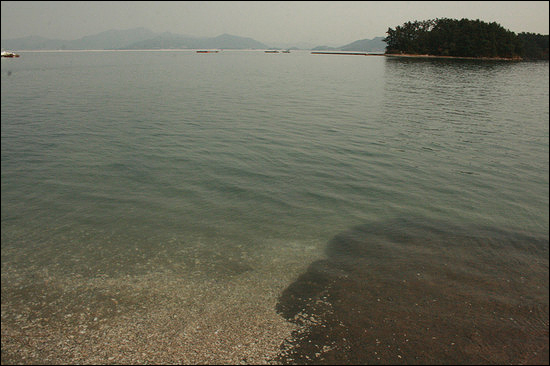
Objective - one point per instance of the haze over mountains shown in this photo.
(142, 38)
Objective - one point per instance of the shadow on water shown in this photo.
(419, 292)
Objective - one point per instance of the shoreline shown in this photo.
(410, 55)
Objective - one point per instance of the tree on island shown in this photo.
(534, 46)
(464, 38)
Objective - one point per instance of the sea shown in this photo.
(289, 208)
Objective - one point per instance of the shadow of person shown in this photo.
(421, 292)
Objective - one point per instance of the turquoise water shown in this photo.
(128, 163)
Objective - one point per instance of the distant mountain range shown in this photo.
(376, 44)
(142, 38)
(176, 41)
(111, 39)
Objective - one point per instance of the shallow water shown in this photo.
(414, 292)
(127, 174)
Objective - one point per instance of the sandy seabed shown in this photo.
(159, 317)
(361, 298)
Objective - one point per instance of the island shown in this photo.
(472, 39)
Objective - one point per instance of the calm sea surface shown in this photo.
(406, 202)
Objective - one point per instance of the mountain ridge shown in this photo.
(375, 44)
(143, 38)
(175, 41)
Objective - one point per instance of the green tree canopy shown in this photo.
(464, 38)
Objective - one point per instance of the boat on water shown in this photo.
(208, 51)
(9, 54)
(270, 51)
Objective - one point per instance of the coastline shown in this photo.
(409, 55)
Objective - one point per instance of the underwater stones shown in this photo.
(392, 292)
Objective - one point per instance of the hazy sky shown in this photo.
(320, 23)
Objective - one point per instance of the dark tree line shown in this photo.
(464, 38)
(534, 46)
